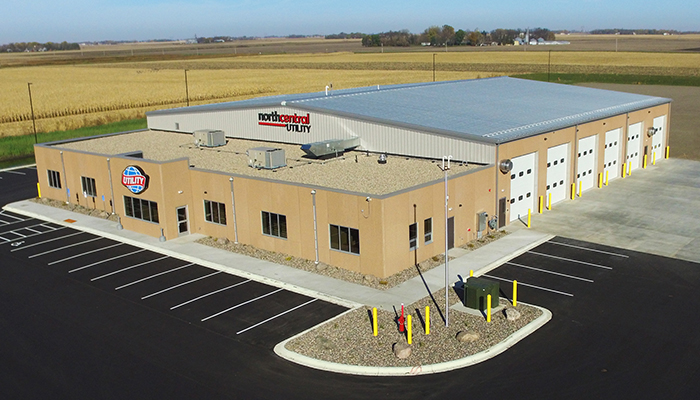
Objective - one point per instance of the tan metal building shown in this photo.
(366, 191)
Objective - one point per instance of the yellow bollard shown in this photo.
(427, 320)
(515, 293)
(624, 167)
(667, 150)
(374, 321)
(573, 191)
(471, 273)
(653, 158)
(606, 178)
(600, 180)
(529, 215)
(580, 188)
(38, 189)
(549, 204)
(409, 329)
(488, 308)
(541, 203)
(644, 162)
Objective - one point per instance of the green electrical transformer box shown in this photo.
(476, 290)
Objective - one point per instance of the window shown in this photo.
(274, 224)
(428, 230)
(88, 186)
(413, 236)
(215, 212)
(345, 239)
(54, 179)
(141, 209)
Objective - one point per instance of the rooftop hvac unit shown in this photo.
(266, 157)
(333, 146)
(209, 138)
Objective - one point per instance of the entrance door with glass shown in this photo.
(182, 224)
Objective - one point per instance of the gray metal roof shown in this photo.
(494, 110)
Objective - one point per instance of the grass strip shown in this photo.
(14, 147)
(613, 78)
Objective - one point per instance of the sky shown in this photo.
(96, 20)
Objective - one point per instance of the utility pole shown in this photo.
(433, 67)
(187, 90)
(446, 169)
(31, 106)
(549, 65)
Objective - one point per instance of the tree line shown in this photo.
(36, 46)
(447, 36)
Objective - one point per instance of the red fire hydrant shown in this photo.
(401, 320)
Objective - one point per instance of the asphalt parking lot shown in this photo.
(232, 306)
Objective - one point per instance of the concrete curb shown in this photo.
(510, 341)
(185, 257)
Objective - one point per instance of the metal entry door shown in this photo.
(182, 223)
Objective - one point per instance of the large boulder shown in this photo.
(511, 314)
(402, 350)
(467, 337)
(222, 241)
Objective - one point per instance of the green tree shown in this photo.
(459, 37)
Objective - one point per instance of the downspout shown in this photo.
(65, 179)
(233, 208)
(313, 198)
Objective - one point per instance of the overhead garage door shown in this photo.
(634, 143)
(522, 185)
(657, 141)
(585, 172)
(612, 154)
(557, 168)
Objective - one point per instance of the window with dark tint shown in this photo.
(428, 230)
(88, 186)
(215, 212)
(274, 224)
(54, 179)
(413, 236)
(345, 239)
(141, 209)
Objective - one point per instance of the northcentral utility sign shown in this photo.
(134, 179)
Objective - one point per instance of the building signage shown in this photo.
(293, 123)
(134, 179)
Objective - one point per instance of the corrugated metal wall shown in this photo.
(374, 137)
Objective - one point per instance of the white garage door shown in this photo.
(585, 172)
(522, 186)
(634, 143)
(612, 154)
(657, 141)
(557, 168)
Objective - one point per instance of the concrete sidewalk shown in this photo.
(336, 291)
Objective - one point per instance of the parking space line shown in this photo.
(33, 230)
(569, 259)
(15, 172)
(65, 247)
(32, 235)
(209, 294)
(241, 304)
(180, 284)
(46, 241)
(153, 276)
(104, 261)
(24, 227)
(5, 239)
(532, 286)
(276, 316)
(85, 253)
(586, 248)
(125, 269)
(550, 272)
(12, 216)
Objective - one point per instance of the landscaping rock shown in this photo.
(103, 214)
(511, 314)
(402, 350)
(467, 337)
(222, 241)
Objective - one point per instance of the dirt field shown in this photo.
(684, 136)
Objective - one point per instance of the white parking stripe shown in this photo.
(181, 284)
(153, 276)
(241, 304)
(569, 259)
(586, 248)
(11, 216)
(209, 294)
(85, 253)
(104, 261)
(276, 316)
(64, 247)
(532, 286)
(12, 223)
(550, 272)
(33, 230)
(46, 241)
(15, 172)
(126, 269)
(6, 240)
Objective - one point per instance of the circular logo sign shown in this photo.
(134, 179)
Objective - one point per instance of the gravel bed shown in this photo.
(349, 340)
(341, 273)
(353, 171)
(93, 212)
